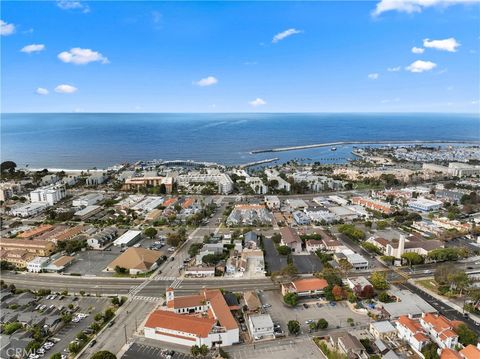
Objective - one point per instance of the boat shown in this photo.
(333, 149)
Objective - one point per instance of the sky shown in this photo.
(359, 56)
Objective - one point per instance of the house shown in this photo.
(260, 325)
(251, 240)
(357, 261)
(306, 287)
(136, 260)
(382, 330)
(202, 319)
(299, 204)
(440, 329)
(95, 179)
(360, 282)
(252, 301)
(348, 344)
(36, 231)
(313, 245)
(272, 202)
(412, 332)
(332, 245)
(291, 239)
(301, 218)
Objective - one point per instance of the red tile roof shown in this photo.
(199, 326)
(310, 284)
(470, 352)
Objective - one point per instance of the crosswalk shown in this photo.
(176, 283)
(163, 278)
(147, 298)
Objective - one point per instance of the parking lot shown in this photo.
(86, 305)
(137, 350)
(307, 263)
(336, 316)
(275, 262)
(93, 262)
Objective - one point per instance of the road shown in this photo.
(442, 307)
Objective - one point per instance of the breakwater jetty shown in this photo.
(342, 143)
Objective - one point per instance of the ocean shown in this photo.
(87, 140)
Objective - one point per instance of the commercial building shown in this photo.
(406, 303)
(223, 181)
(88, 212)
(49, 194)
(87, 200)
(202, 319)
(136, 260)
(306, 287)
(30, 209)
(357, 261)
(199, 272)
(129, 238)
(148, 204)
(18, 257)
(37, 264)
(260, 326)
(424, 204)
(59, 264)
(382, 330)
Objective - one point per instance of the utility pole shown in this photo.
(125, 331)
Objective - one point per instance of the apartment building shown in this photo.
(49, 194)
(40, 248)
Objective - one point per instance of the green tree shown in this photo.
(8, 166)
(379, 280)
(429, 351)
(150, 232)
(291, 299)
(109, 314)
(466, 336)
(384, 297)
(412, 258)
(293, 327)
(284, 250)
(103, 354)
(322, 324)
(120, 270)
(195, 350)
(74, 348)
(204, 350)
(56, 356)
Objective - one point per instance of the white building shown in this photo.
(274, 175)
(257, 185)
(424, 204)
(222, 180)
(30, 209)
(95, 179)
(37, 264)
(214, 324)
(357, 261)
(87, 200)
(128, 238)
(49, 194)
(260, 325)
(148, 204)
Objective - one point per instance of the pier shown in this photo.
(251, 164)
(342, 143)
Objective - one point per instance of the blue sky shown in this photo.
(92, 56)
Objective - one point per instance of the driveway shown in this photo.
(275, 261)
(307, 263)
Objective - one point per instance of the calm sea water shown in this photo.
(77, 141)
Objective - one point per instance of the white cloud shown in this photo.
(33, 48)
(373, 76)
(258, 102)
(207, 81)
(80, 56)
(64, 88)
(394, 69)
(418, 50)
(6, 29)
(421, 66)
(412, 6)
(449, 44)
(41, 91)
(282, 35)
(73, 5)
